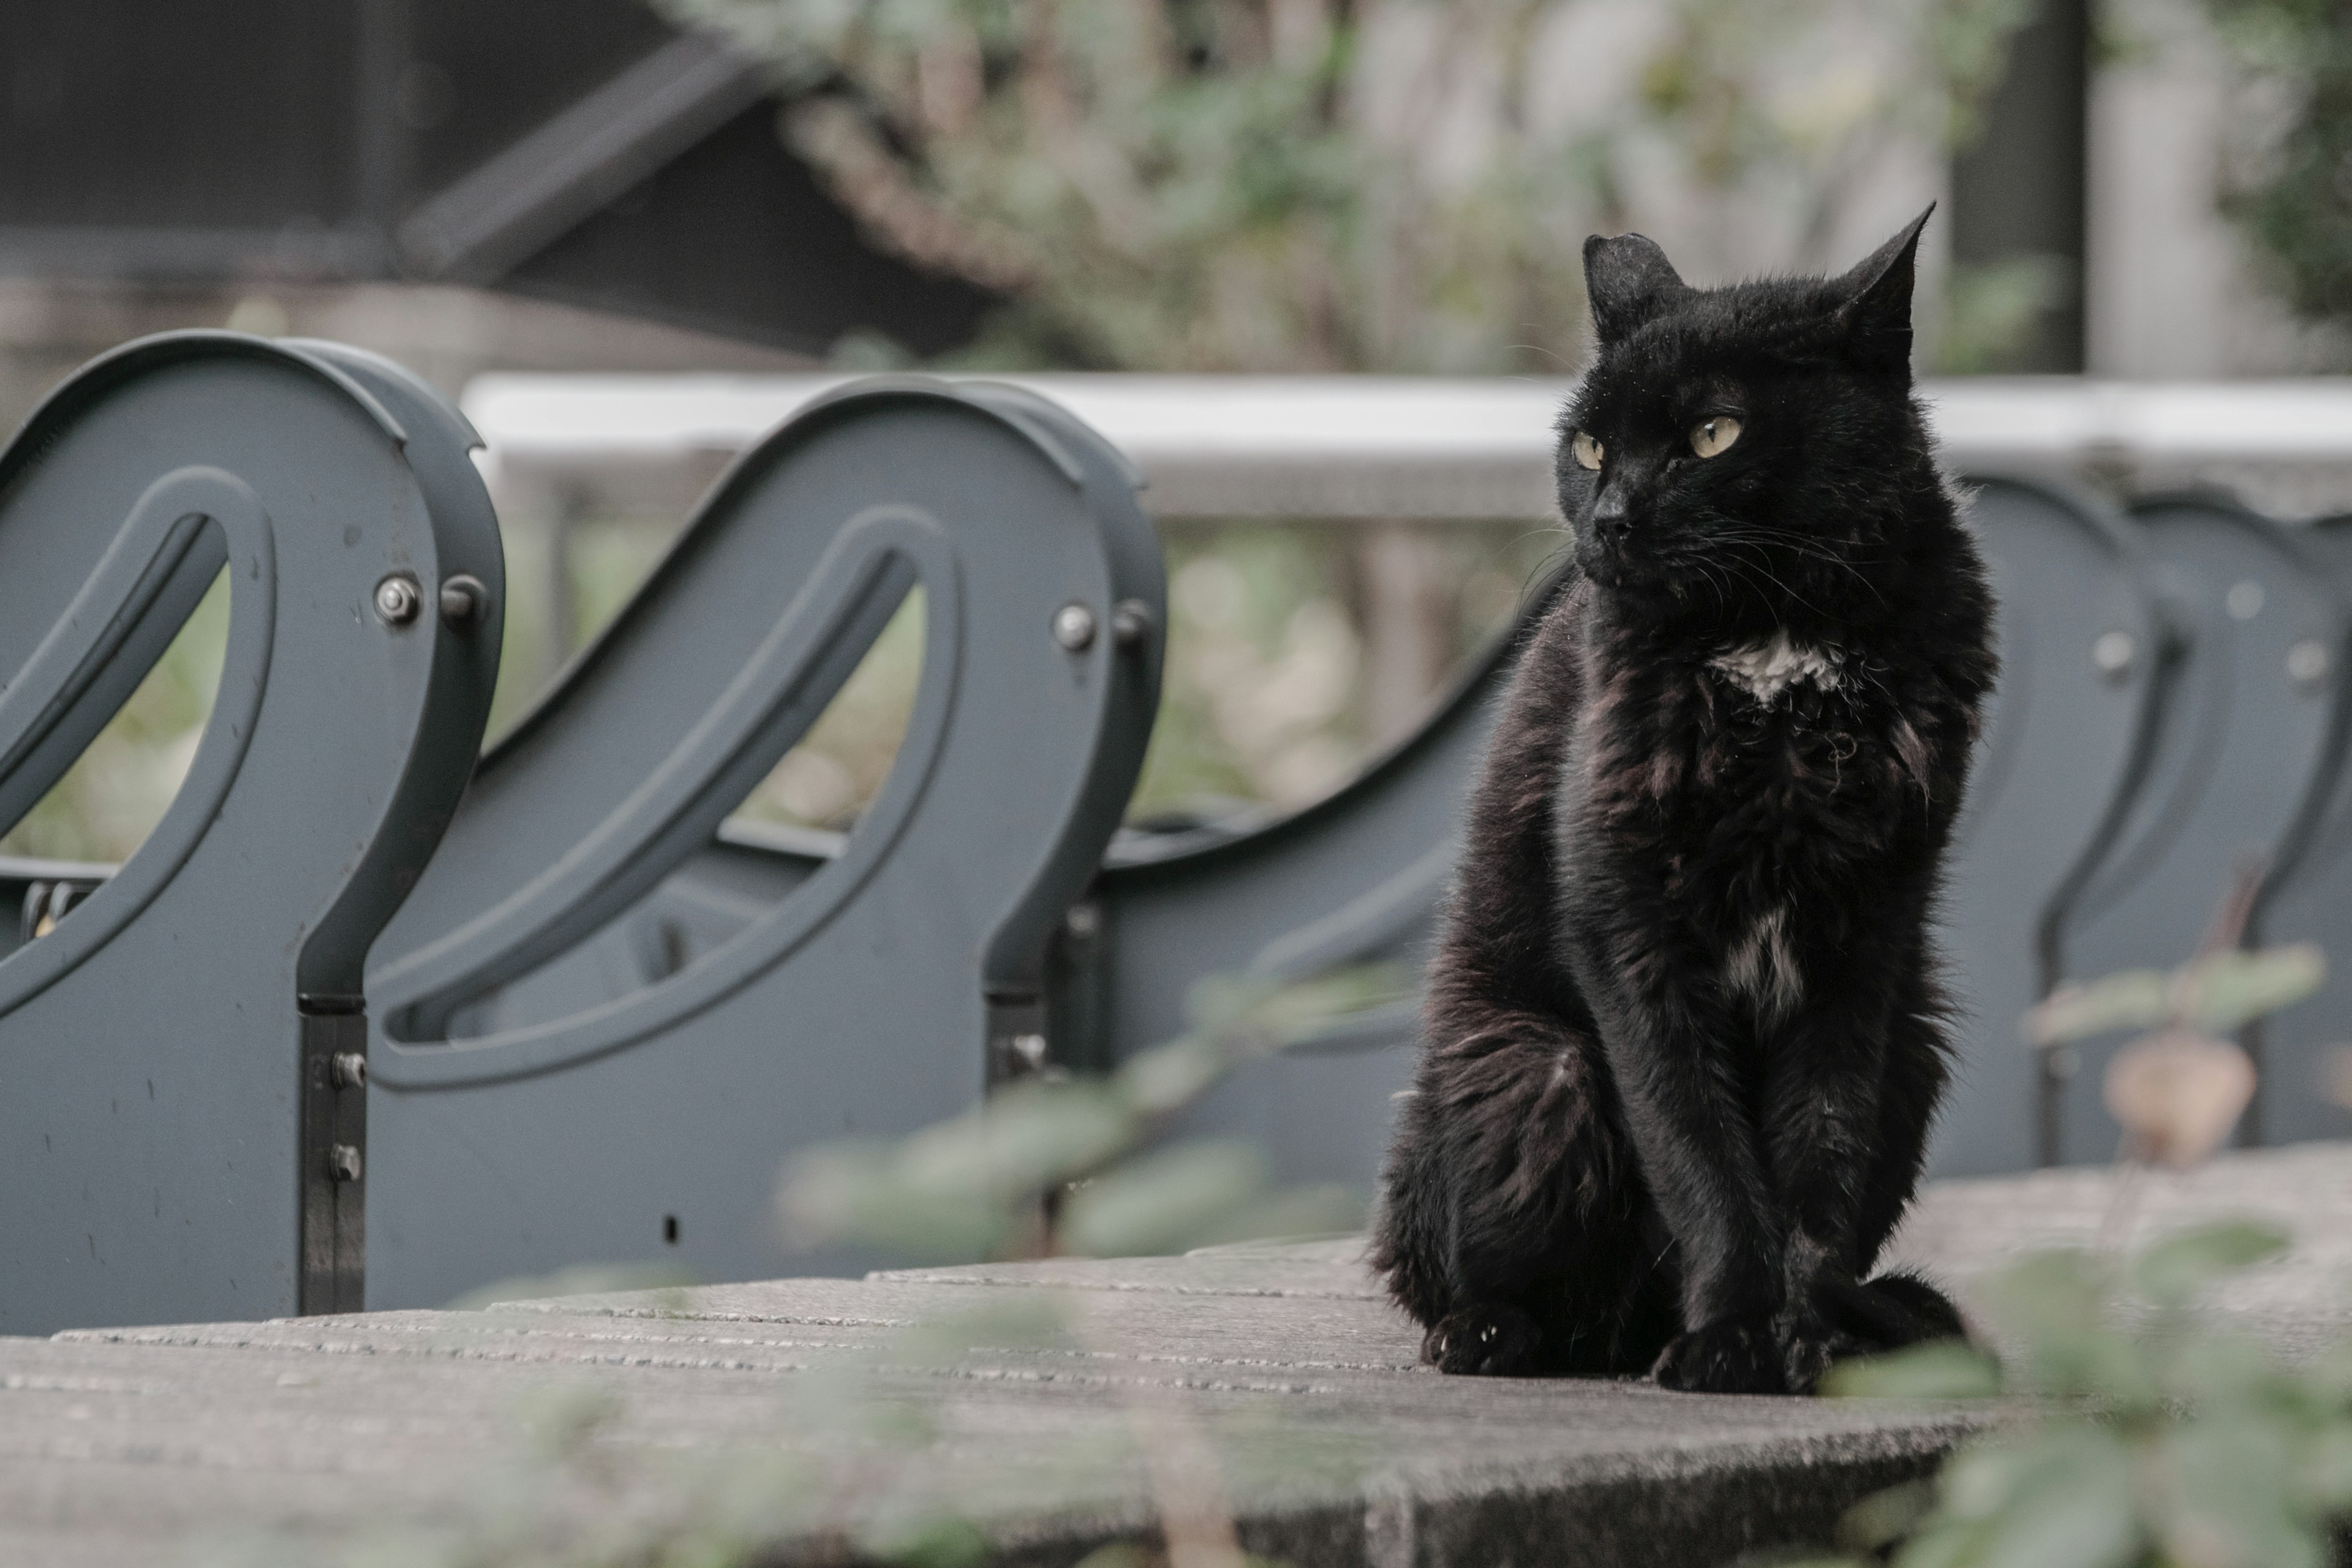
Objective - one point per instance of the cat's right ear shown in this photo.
(1628, 278)
(1876, 315)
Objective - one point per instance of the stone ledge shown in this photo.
(1330, 1447)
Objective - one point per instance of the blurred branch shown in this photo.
(2282, 177)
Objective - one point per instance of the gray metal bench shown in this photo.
(598, 1026)
(175, 1138)
(2085, 677)
(2310, 899)
(2244, 765)
(606, 1012)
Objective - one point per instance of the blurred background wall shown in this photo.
(2141, 188)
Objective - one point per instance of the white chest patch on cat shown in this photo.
(1766, 668)
(1762, 967)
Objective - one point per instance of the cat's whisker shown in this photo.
(1542, 569)
(1720, 585)
(1708, 568)
(1793, 596)
(1862, 578)
(1738, 541)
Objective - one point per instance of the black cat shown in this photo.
(1684, 1033)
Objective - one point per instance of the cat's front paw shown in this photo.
(1489, 1340)
(1730, 1355)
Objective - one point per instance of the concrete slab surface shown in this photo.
(1055, 1406)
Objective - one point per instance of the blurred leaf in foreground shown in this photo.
(2133, 999)
(1945, 1369)
(2061, 1499)
(2231, 989)
(582, 1280)
(2218, 995)
(1161, 1201)
(1049, 1165)
(1025, 1138)
(862, 1191)
(2162, 1440)
(2175, 1269)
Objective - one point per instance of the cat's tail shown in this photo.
(1895, 1310)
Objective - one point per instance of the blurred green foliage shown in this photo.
(1229, 185)
(839, 766)
(1991, 311)
(1323, 184)
(1266, 700)
(2288, 184)
(825, 782)
(580, 1279)
(109, 799)
(1058, 1165)
(2217, 993)
(2159, 1438)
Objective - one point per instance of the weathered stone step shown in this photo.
(1056, 1405)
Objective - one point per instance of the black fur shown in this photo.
(1684, 1036)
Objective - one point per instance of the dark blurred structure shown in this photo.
(2019, 188)
(578, 151)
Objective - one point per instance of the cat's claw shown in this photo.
(1730, 1355)
(1488, 1341)
(1807, 1351)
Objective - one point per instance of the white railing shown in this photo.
(1386, 446)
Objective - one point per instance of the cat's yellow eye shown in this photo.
(1711, 438)
(1587, 450)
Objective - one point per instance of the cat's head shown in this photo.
(1746, 451)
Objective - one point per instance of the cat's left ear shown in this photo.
(1628, 280)
(1877, 314)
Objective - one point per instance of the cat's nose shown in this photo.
(1609, 518)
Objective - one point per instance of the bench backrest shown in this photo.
(175, 1142)
(569, 1065)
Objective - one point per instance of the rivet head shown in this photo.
(463, 599)
(2113, 653)
(2306, 664)
(1074, 627)
(347, 1070)
(1130, 622)
(344, 1162)
(397, 599)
